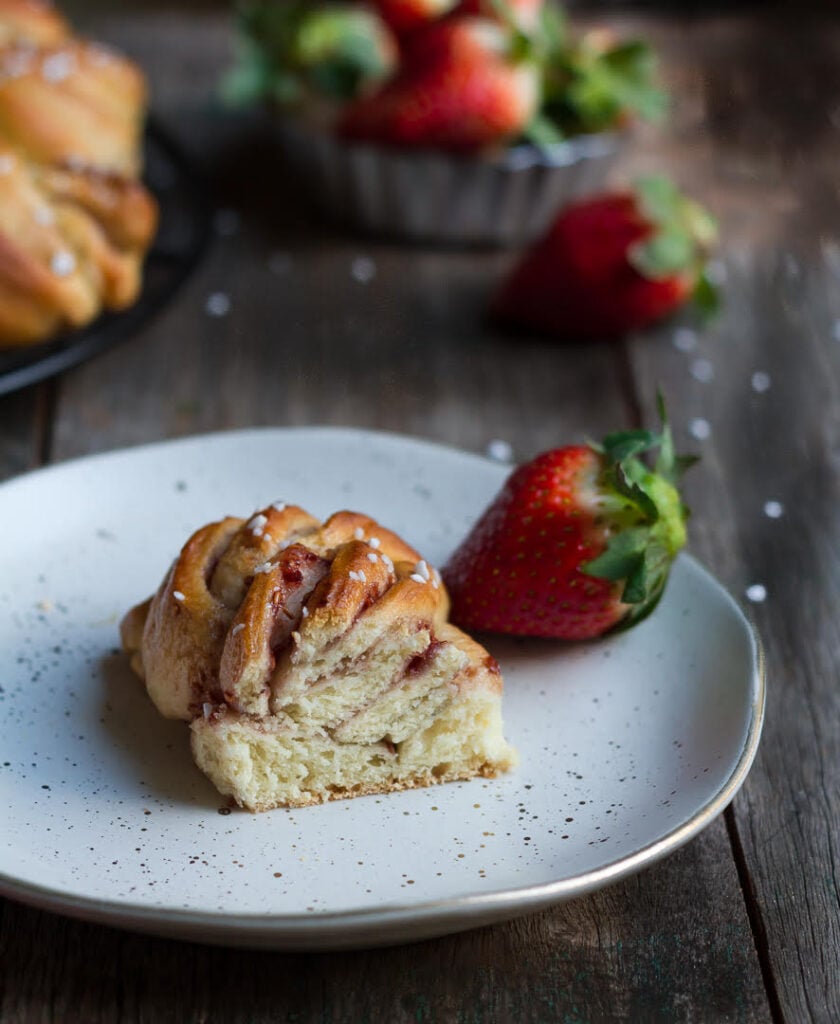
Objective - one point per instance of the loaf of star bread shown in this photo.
(75, 219)
(314, 661)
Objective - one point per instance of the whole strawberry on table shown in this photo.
(579, 542)
(612, 264)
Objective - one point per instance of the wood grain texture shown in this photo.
(24, 430)
(305, 341)
(770, 167)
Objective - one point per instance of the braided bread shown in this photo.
(315, 661)
(75, 221)
(31, 21)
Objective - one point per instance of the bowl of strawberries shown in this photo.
(443, 121)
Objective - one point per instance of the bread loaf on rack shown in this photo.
(75, 219)
(314, 661)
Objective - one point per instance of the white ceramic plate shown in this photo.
(628, 746)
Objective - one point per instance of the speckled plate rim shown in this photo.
(393, 923)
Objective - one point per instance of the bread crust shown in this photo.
(75, 219)
(31, 21)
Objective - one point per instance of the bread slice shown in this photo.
(315, 661)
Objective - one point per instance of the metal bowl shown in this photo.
(430, 196)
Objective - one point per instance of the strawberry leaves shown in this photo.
(624, 444)
(594, 84)
(682, 231)
(290, 51)
(640, 550)
(623, 560)
(613, 81)
(705, 298)
(682, 235)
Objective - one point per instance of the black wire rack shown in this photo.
(183, 235)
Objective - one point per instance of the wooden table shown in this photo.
(743, 924)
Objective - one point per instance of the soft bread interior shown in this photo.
(282, 763)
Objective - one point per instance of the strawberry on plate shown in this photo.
(613, 264)
(463, 84)
(579, 541)
(405, 16)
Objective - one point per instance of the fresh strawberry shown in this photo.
(578, 542)
(460, 87)
(406, 16)
(613, 264)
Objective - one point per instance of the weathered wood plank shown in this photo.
(25, 429)
(771, 407)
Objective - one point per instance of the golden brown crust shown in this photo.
(344, 525)
(212, 628)
(269, 612)
(31, 21)
(185, 629)
(352, 585)
(74, 104)
(265, 534)
(75, 221)
(122, 208)
(487, 770)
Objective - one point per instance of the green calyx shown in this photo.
(593, 83)
(289, 51)
(645, 512)
(682, 236)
